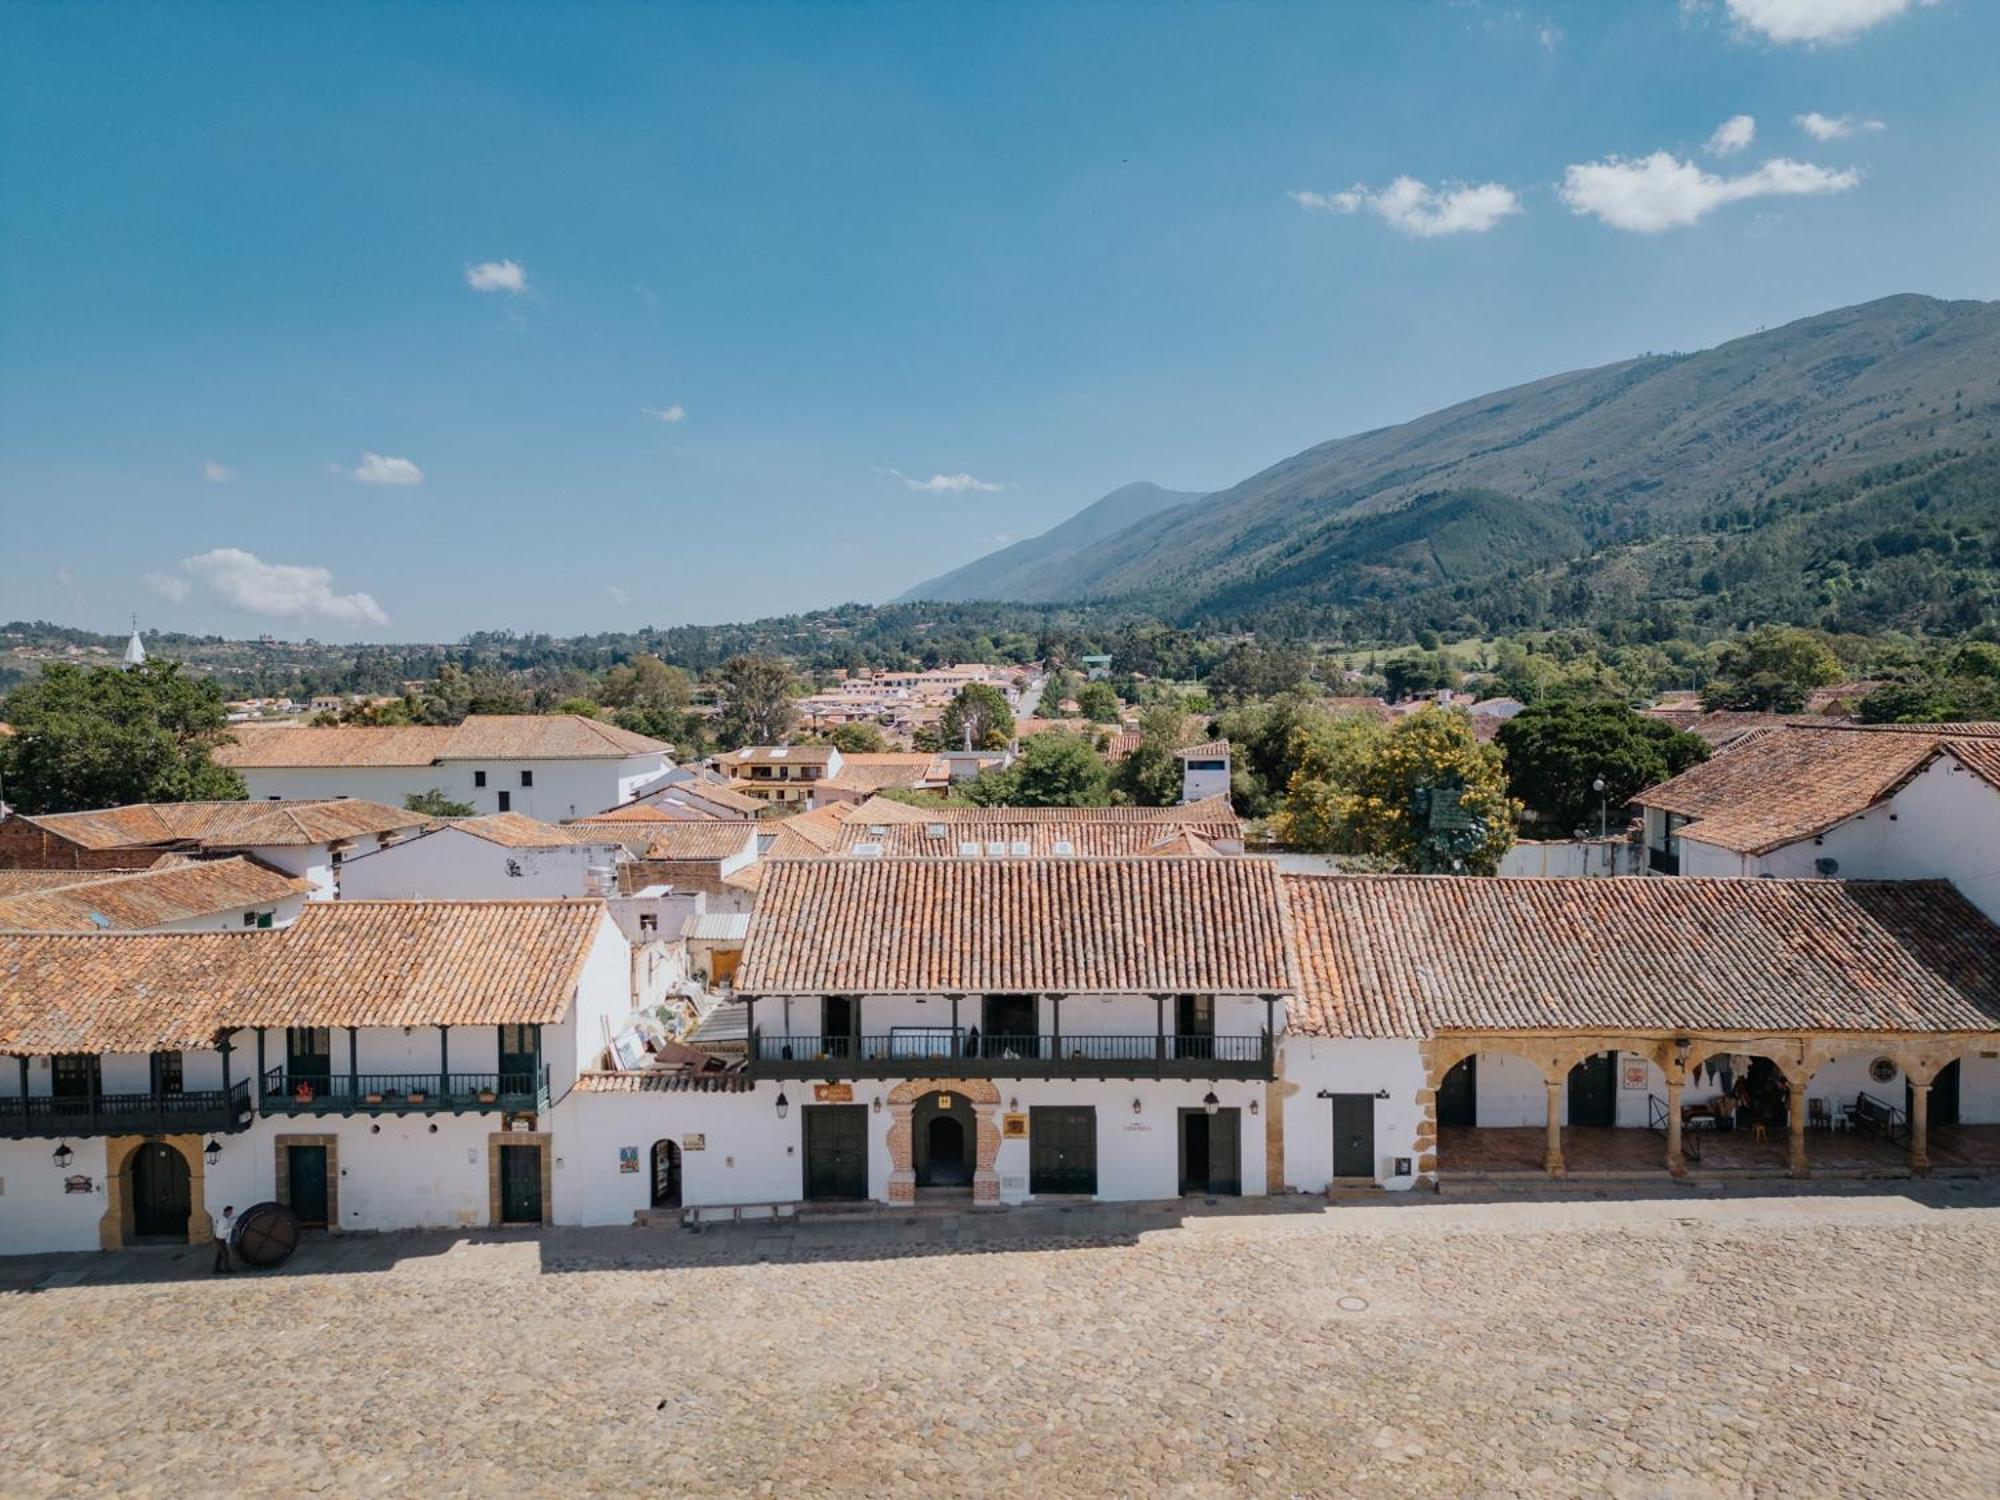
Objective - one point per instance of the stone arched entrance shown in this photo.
(119, 1225)
(942, 1133)
(984, 1144)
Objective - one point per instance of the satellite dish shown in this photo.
(1827, 867)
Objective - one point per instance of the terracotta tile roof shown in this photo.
(342, 963)
(713, 841)
(1183, 841)
(927, 926)
(232, 825)
(871, 773)
(1727, 726)
(150, 898)
(1192, 814)
(512, 830)
(479, 737)
(904, 831)
(27, 882)
(1412, 955)
(1780, 785)
(664, 1081)
(817, 830)
(1206, 750)
(780, 755)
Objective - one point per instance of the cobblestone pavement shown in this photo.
(1693, 1345)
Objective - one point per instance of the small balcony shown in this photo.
(293, 1093)
(964, 1054)
(1663, 861)
(191, 1112)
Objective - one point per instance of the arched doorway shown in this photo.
(158, 1176)
(666, 1174)
(942, 1137)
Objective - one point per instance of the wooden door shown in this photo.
(836, 1145)
(1194, 1025)
(520, 1059)
(308, 1056)
(1943, 1108)
(1458, 1094)
(1593, 1091)
(159, 1192)
(666, 1174)
(1212, 1152)
(1354, 1135)
(305, 1185)
(1062, 1149)
(76, 1075)
(520, 1184)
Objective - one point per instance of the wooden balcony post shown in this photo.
(225, 1047)
(1159, 1035)
(23, 1060)
(444, 1062)
(257, 1086)
(353, 1066)
(750, 1027)
(1055, 1007)
(1920, 1128)
(957, 1042)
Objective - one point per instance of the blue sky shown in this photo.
(656, 314)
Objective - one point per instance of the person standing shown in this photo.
(223, 1232)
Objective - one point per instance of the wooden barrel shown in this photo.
(266, 1235)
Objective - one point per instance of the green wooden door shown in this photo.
(836, 1142)
(1593, 1091)
(1354, 1135)
(159, 1192)
(1458, 1094)
(1062, 1149)
(305, 1191)
(520, 1184)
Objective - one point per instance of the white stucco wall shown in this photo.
(36, 1213)
(453, 865)
(315, 863)
(1337, 1066)
(562, 789)
(1201, 779)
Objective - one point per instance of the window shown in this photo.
(527, 778)
(168, 1073)
(249, 919)
(479, 778)
(649, 921)
(506, 802)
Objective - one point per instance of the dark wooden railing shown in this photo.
(970, 1054)
(156, 1112)
(316, 1093)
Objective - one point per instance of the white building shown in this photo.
(310, 839)
(548, 766)
(1204, 771)
(377, 1065)
(1849, 803)
(498, 857)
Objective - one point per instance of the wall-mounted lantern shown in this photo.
(1210, 1103)
(1137, 1106)
(1253, 1107)
(211, 1151)
(63, 1157)
(784, 1105)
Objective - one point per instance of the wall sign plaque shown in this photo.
(1014, 1127)
(833, 1093)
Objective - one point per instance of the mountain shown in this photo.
(1563, 469)
(1008, 573)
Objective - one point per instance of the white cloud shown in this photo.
(286, 590)
(375, 469)
(667, 414)
(1733, 135)
(1550, 36)
(217, 472)
(1660, 191)
(168, 587)
(1419, 210)
(1833, 127)
(1816, 21)
(945, 484)
(618, 595)
(497, 276)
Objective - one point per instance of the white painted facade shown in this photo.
(1944, 824)
(319, 865)
(1572, 859)
(452, 864)
(553, 789)
(1318, 1066)
(1204, 776)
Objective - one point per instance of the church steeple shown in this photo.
(135, 649)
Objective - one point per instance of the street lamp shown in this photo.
(63, 1155)
(784, 1105)
(1603, 809)
(1210, 1103)
(212, 1150)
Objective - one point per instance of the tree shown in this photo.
(1772, 671)
(1250, 670)
(435, 804)
(1098, 702)
(1054, 770)
(1406, 676)
(646, 682)
(1555, 751)
(1428, 795)
(858, 739)
(1327, 754)
(755, 693)
(980, 708)
(89, 737)
(1150, 776)
(582, 707)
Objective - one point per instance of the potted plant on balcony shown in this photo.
(416, 1096)
(487, 1094)
(303, 1094)
(373, 1096)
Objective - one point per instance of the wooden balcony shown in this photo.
(402, 1093)
(190, 1112)
(946, 1054)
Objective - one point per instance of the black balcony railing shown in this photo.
(190, 1112)
(1663, 861)
(314, 1093)
(921, 1053)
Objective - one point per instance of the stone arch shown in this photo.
(1924, 1065)
(1788, 1054)
(114, 1229)
(985, 1101)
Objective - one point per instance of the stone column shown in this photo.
(1676, 1162)
(1797, 1165)
(1554, 1159)
(986, 1143)
(1920, 1128)
(902, 1165)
